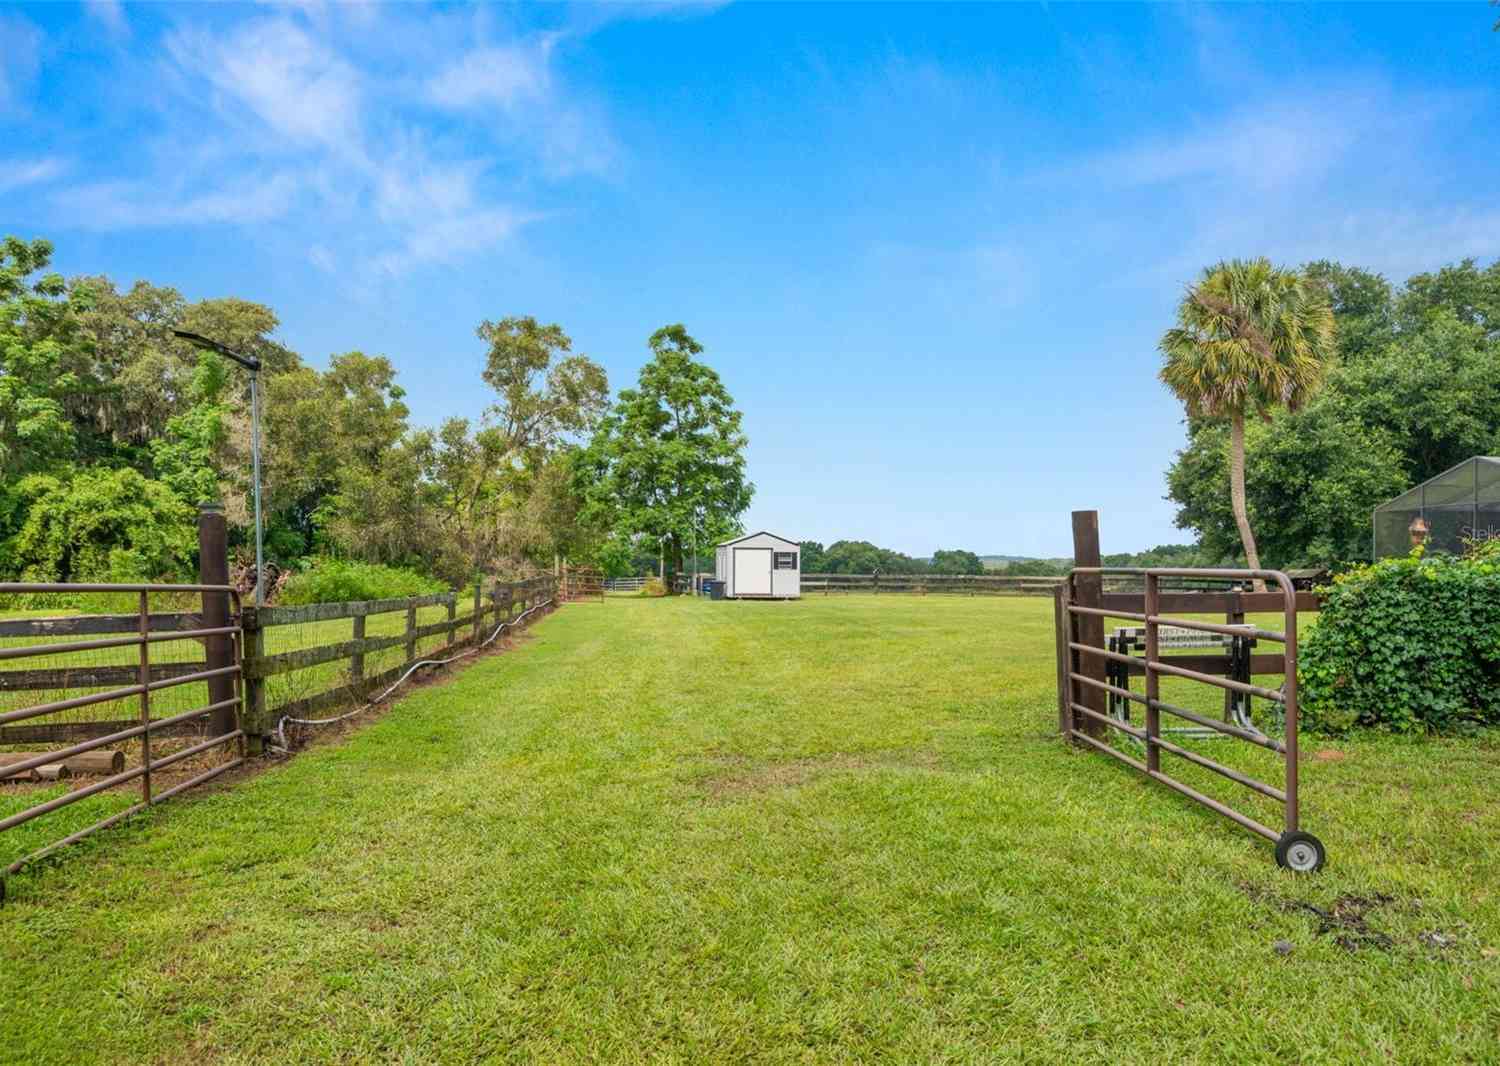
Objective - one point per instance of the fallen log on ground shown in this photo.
(90, 762)
(51, 772)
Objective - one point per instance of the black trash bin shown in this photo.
(716, 590)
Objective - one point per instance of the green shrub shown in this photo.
(653, 587)
(342, 580)
(1408, 645)
(99, 524)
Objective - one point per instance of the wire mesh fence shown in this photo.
(302, 660)
(111, 698)
(122, 674)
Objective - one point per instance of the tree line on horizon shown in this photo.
(862, 557)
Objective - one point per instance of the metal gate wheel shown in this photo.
(1301, 853)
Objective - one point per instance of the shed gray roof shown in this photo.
(761, 533)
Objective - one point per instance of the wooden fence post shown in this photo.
(213, 569)
(452, 604)
(1088, 591)
(478, 610)
(255, 724)
(411, 634)
(357, 660)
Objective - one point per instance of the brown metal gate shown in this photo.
(1080, 635)
(217, 628)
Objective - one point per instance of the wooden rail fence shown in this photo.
(925, 584)
(487, 607)
(224, 660)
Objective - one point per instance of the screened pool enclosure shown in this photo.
(1459, 506)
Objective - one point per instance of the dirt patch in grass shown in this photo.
(1347, 920)
(741, 777)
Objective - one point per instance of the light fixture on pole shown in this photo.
(252, 364)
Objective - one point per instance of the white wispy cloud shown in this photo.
(383, 137)
(512, 88)
(314, 139)
(1398, 241)
(20, 59)
(506, 76)
(111, 14)
(1270, 145)
(322, 258)
(275, 71)
(450, 239)
(19, 173)
(138, 204)
(1337, 171)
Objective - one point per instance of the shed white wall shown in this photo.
(784, 583)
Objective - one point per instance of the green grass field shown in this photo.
(832, 830)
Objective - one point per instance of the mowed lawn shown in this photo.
(831, 830)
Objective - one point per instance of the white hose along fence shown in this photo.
(303, 660)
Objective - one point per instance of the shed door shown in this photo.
(752, 571)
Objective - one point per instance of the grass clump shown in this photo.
(329, 580)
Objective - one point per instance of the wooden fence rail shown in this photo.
(923, 584)
(487, 607)
(484, 608)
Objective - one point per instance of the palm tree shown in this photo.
(1249, 337)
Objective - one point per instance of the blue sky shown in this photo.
(929, 248)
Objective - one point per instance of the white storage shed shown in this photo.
(760, 566)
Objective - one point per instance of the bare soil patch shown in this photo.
(742, 778)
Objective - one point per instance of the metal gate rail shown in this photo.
(1295, 849)
(143, 638)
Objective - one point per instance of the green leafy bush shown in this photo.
(99, 524)
(342, 580)
(1408, 645)
(653, 587)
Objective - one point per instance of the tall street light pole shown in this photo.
(252, 364)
